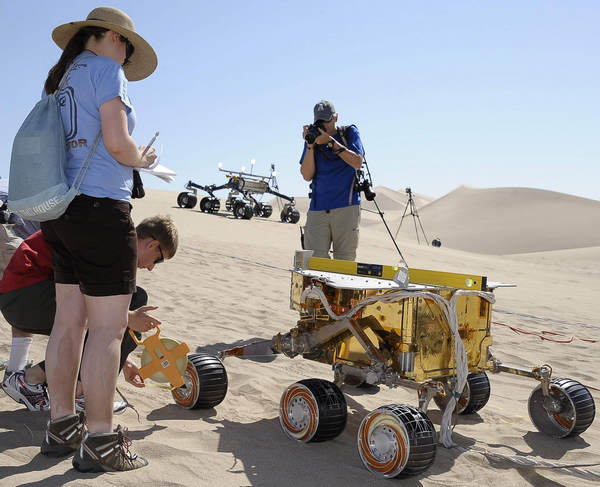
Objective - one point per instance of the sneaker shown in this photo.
(34, 396)
(118, 406)
(107, 452)
(63, 436)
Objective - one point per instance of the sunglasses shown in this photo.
(128, 49)
(162, 257)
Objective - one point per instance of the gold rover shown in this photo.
(421, 329)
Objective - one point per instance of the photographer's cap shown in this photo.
(324, 110)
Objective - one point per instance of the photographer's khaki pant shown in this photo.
(338, 227)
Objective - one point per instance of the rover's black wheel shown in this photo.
(397, 439)
(205, 383)
(191, 201)
(204, 204)
(267, 211)
(289, 215)
(238, 208)
(294, 216)
(182, 200)
(569, 410)
(312, 410)
(214, 205)
(258, 209)
(474, 396)
(248, 212)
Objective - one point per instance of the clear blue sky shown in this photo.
(482, 93)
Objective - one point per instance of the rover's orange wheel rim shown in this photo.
(383, 443)
(299, 413)
(558, 417)
(186, 395)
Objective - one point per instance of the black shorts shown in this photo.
(94, 244)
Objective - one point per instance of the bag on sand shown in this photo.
(37, 185)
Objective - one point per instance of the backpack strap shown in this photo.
(342, 134)
(86, 163)
(88, 158)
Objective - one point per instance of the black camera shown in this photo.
(408, 191)
(138, 186)
(312, 132)
(363, 184)
(4, 213)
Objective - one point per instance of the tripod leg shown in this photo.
(421, 225)
(402, 219)
(413, 212)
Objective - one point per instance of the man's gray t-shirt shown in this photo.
(93, 81)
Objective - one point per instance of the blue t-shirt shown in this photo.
(333, 182)
(93, 81)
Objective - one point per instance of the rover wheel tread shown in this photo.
(578, 411)
(397, 440)
(474, 397)
(267, 211)
(479, 388)
(313, 410)
(205, 383)
(204, 204)
(191, 200)
(184, 200)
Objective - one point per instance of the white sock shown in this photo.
(19, 353)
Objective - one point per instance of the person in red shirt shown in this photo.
(27, 302)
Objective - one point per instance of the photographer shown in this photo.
(330, 159)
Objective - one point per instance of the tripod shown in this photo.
(414, 213)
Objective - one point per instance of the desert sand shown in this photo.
(229, 284)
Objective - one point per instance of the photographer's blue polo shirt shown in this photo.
(333, 182)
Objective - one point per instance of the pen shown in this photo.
(150, 144)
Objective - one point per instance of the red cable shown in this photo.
(544, 332)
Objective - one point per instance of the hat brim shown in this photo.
(324, 119)
(143, 61)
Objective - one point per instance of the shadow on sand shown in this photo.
(27, 429)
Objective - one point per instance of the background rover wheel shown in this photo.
(191, 201)
(248, 212)
(205, 383)
(267, 211)
(569, 411)
(475, 395)
(397, 440)
(294, 216)
(186, 200)
(214, 205)
(289, 215)
(237, 208)
(312, 410)
(204, 204)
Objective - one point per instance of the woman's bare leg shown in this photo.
(107, 320)
(63, 352)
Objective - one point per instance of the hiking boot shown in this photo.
(107, 452)
(33, 396)
(118, 406)
(63, 436)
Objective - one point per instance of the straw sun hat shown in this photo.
(143, 61)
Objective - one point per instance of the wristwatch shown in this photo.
(330, 145)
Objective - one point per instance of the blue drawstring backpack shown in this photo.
(37, 185)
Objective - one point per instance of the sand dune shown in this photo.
(229, 284)
(512, 220)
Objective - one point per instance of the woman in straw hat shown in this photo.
(94, 242)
